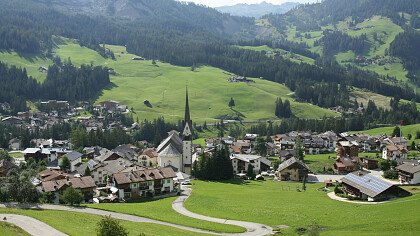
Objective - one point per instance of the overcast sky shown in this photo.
(217, 3)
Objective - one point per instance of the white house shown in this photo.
(394, 152)
(240, 163)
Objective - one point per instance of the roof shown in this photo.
(54, 185)
(169, 151)
(72, 156)
(31, 150)
(150, 152)
(173, 139)
(144, 175)
(367, 184)
(409, 167)
(290, 162)
(83, 182)
(244, 157)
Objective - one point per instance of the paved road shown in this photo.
(253, 229)
(31, 225)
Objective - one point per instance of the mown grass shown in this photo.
(7, 229)
(286, 54)
(74, 223)
(317, 163)
(278, 203)
(162, 210)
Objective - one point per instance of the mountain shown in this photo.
(257, 10)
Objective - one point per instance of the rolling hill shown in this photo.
(164, 86)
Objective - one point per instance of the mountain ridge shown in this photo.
(257, 10)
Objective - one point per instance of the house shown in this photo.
(85, 184)
(32, 153)
(347, 148)
(286, 154)
(148, 157)
(369, 163)
(394, 152)
(287, 143)
(146, 182)
(371, 188)
(251, 137)
(292, 169)
(409, 173)
(242, 146)
(15, 144)
(107, 156)
(240, 163)
(127, 151)
(344, 165)
(75, 159)
(109, 105)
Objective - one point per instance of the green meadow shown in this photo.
(278, 203)
(7, 229)
(285, 54)
(405, 130)
(74, 223)
(163, 85)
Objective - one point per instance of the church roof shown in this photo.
(170, 151)
(174, 140)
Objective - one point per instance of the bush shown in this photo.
(384, 165)
(72, 196)
(337, 190)
(391, 174)
(109, 226)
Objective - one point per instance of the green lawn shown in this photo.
(316, 163)
(16, 154)
(7, 229)
(274, 204)
(162, 210)
(73, 223)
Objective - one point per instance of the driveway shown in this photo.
(31, 225)
(321, 178)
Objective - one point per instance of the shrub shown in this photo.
(72, 196)
(108, 226)
(391, 174)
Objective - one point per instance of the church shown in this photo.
(176, 149)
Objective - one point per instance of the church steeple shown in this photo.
(187, 123)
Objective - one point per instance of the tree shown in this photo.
(109, 226)
(5, 156)
(384, 165)
(250, 171)
(413, 146)
(276, 164)
(260, 146)
(299, 148)
(231, 103)
(72, 196)
(65, 164)
(396, 132)
(87, 171)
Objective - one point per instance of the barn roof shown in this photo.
(367, 184)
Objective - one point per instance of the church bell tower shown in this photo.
(187, 137)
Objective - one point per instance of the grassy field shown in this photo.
(164, 86)
(276, 203)
(73, 223)
(316, 163)
(363, 96)
(407, 129)
(7, 229)
(162, 210)
(285, 54)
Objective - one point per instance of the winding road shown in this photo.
(252, 229)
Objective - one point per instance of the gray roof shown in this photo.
(72, 156)
(174, 140)
(367, 184)
(170, 151)
(409, 167)
(289, 162)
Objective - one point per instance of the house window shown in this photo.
(168, 181)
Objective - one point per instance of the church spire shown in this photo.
(187, 118)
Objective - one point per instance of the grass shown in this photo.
(74, 223)
(164, 86)
(16, 154)
(363, 96)
(162, 210)
(285, 54)
(30, 62)
(7, 229)
(407, 129)
(316, 163)
(274, 204)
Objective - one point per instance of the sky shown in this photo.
(218, 3)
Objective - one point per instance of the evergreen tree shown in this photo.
(250, 171)
(87, 171)
(231, 103)
(65, 164)
(396, 132)
(109, 226)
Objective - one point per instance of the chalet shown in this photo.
(287, 143)
(394, 152)
(148, 157)
(127, 151)
(396, 141)
(251, 137)
(286, 154)
(409, 173)
(146, 182)
(109, 105)
(75, 159)
(344, 165)
(108, 156)
(85, 184)
(242, 146)
(292, 169)
(347, 148)
(240, 163)
(371, 188)
(369, 163)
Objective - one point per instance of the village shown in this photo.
(358, 163)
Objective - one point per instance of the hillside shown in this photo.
(405, 130)
(257, 10)
(164, 86)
